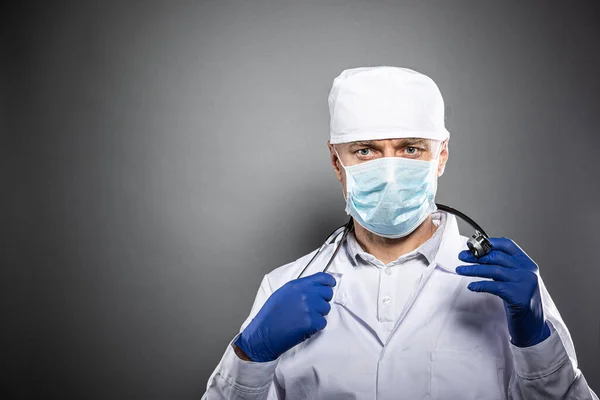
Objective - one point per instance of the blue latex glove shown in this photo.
(292, 314)
(515, 280)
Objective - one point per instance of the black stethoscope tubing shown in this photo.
(349, 227)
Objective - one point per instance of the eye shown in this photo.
(363, 152)
(413, 150)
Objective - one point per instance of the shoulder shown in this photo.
(290, 271)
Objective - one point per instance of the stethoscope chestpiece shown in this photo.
(479, 245)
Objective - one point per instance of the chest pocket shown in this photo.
(463, 374)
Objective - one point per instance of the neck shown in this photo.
(387, 250)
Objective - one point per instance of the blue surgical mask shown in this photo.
(391, 196)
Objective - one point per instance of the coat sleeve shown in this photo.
(548, 370)
(234, 378)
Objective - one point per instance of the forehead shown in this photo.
(393, 142)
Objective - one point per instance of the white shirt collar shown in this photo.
(428, 249)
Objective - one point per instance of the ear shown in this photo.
(443, 158)
(333, 158)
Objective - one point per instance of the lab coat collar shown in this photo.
(452, 243)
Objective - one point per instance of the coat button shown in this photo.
(388, 271)
(386, 300)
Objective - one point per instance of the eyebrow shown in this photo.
(404, 142)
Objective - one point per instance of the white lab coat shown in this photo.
(448, 343)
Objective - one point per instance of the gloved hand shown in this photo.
(515, 280)
(292, 314)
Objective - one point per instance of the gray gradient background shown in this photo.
(159, 157)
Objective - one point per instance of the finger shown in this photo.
(325, 292)
(319, 322)
(467, 256)
(322, 307)
(506, 245)
(492, 287)
(495, 272)
(497, 257)
(322, 278)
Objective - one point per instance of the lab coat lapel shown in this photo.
(451, 244)
(435, 298)
(353, 297)
(349, 292)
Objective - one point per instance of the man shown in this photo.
(396, 316)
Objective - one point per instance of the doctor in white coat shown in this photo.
(404, 311)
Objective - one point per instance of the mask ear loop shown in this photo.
(339, 158)
(439, 153)
(348, 176)
(439, 150)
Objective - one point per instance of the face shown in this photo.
(414, 148)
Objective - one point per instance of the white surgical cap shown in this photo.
(372, 103)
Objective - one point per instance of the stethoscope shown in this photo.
(478, 244)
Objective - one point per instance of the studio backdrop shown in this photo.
(160, 157)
